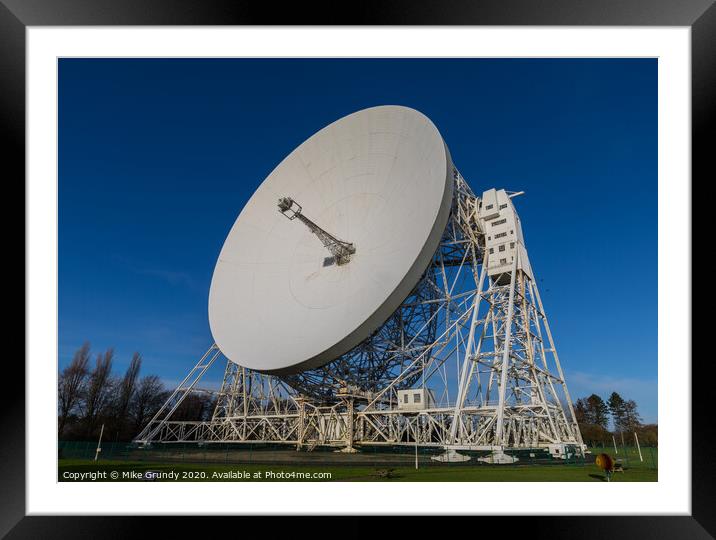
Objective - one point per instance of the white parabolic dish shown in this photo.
(380, 178)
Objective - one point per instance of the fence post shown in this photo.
(638, 447)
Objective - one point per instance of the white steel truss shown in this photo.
(490, 368)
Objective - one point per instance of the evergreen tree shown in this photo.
(580, 411)
(598, 411)
(617, 409)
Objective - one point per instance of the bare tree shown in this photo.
(126, 390)
(147, 400)
(632, 419)
(71, 385)
(99, 389)
(197, 406)
(88, 397)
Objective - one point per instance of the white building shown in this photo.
(415, 399)
(503, 234)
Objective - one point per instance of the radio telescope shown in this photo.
(366, 296)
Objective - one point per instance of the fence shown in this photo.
(630, 456)
(218, 453)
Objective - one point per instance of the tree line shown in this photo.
(593, 415)
(91, 395)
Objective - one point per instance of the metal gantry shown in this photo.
(479, 344)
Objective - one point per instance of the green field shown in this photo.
(634, 471)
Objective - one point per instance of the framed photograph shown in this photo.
(274, 260)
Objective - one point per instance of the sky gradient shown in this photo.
(158, 156)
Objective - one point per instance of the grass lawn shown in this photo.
(635, 471)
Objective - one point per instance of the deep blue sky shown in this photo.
(157, 158)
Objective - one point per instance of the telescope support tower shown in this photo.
(490, 382)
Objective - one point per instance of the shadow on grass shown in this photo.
(599, 477)
(378, 474)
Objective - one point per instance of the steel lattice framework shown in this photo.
(481, 345)
(377, 361)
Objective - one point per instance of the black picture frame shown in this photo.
(16, 15)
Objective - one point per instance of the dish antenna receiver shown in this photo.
(403, 312)
(341, 251)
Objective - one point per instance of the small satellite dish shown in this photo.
(332, 242)
(605, 463)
